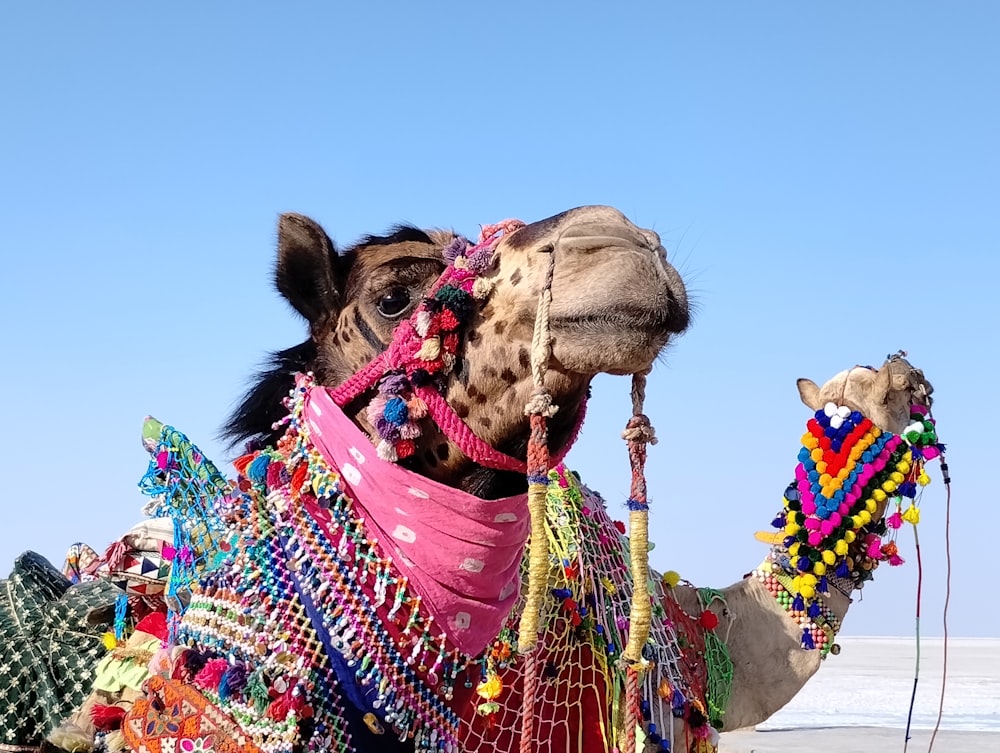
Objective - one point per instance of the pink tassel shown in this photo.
(895, 520)
(409, 430)
(376, 408)
(874, 548)
(211, 674)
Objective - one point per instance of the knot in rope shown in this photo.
(540, 404)
(639, 429)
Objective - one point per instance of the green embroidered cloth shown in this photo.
(48, 648)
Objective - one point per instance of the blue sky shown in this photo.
(825, 176)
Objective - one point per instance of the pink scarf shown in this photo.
(461, 554)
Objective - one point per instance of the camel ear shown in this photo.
(809, 393)
(886, 382)
(307, 270)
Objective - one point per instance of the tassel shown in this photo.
(107, 718)
(115, 741)
(386, 451)
(191, 662)
(417, 408)
(257, 470)
(233, 681)
(430, 350)
(807, 640)
(211, 674)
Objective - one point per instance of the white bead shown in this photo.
(843, 411)
(836, 421)
(830, 409)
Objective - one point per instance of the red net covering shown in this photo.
(580, 696)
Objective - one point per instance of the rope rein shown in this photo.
(539, 409)
(638, 433)
(947, 599)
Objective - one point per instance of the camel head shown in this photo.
(883, 395)
(616, 302)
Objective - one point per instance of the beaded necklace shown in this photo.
(312, 609)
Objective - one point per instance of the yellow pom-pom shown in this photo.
(878, 495)
(850, 536)
(490, 687)
(897, 477)
(889, 486)
(809, 441)
(109, 641)
(807, 591)
(866, 517)
(829, 557)
(794, 548)
(671, 578)
(821, 468)
(903, 467)
(792, 528)
(841, 546)
(808, 579)
(816, 454)
(870, 505)
(923, 479)
(912, 514)
(819, 568)
(857, 521)
(824, 479)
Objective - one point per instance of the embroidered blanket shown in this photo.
(315, 635)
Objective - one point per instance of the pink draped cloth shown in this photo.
(461, 554)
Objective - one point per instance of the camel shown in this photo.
(474, 373)
(769, 663)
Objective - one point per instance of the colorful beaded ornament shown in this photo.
(311, 610)
(585, 622)
(834, 518)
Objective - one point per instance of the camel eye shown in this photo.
(393, 302)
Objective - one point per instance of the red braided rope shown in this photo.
(530, 673)
(632, 708)
(538, 571)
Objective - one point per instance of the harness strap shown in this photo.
(405, 361)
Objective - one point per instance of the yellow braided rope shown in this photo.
(538, 571)
(539, 405)
(640, 614)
